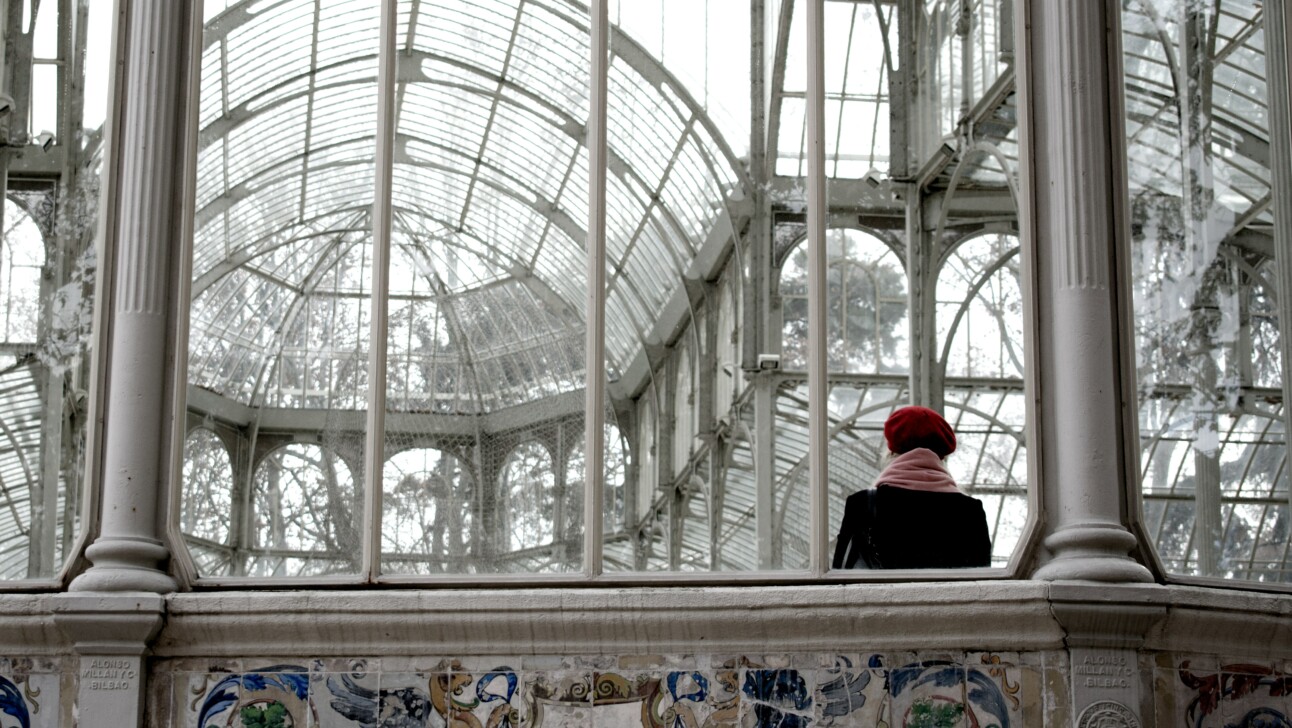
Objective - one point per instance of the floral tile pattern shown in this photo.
(32, 699)
(491, 697)
(868, 690)
(1237, 695)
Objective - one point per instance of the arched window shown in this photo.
(528, 487)
(616, 466)
(306, 514)
(427, 517)
(207, 500)
(980, 309)
(866, 304)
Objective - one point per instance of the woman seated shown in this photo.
(914, 517)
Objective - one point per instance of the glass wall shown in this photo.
(1203, 258)
(411, 404)
(53, 147)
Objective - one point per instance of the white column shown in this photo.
(383, 181)
(818, 383)
(595, 407)
(1075, 196)
(127, 554)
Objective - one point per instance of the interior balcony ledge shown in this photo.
(1019, 616)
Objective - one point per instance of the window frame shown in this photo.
(1278, 54)
(591, 572)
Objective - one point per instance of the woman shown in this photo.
(914, 517)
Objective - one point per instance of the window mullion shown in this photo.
(594, 407)
(816, 213)
(1278, 38)
(374, 444)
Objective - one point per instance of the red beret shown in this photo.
(911, 427)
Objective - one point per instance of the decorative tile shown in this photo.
(993, 690)
(557, 698)
(850, 692)
(275, 695)
(404, 699)
(628, 699)
(776, 698)
(210, 699)
(685, 699)
(1254, 696)
(31, 699)
(1197, 696)
(491, 697)
(345, 699)
(724, 696)
(928, 694)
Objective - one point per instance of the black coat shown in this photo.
(899, 528)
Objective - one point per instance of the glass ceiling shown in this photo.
(490, 188)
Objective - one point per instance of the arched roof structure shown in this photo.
(490, 183)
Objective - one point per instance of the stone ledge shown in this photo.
(963, 615)
(27, 626)
(1019, 616)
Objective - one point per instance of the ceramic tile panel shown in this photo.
(776, 698)
(1197, 695)
(724, 695)
(851, 692)
(994, 689)
(345, 699)
(928, 694)
(208, 699)
(624, 698)
(557, 699)
(486, 697)
(1254, 695)
(32, 698)
(275, 695)
(858, 690)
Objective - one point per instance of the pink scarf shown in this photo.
(918, 469)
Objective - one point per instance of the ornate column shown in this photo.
(127, 552)
(115, 607)
(1071, 208)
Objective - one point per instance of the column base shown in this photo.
(125, 564)
(1092, 552)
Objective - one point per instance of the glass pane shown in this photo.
(936, 320)
(487, 328)
(208, 497)
(866, 302)
(1203, 257)
(48, 282)
(678, 125)
(281, 297)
